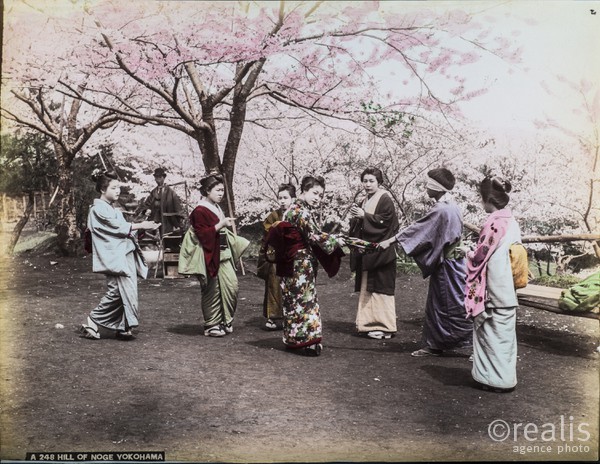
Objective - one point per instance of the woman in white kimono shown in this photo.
(116, 254)
(490, 296)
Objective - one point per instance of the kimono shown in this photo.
(165, 208)
(272, 302)
(432, 241)
(491, 301)
(299, 247)
(211, 255)
(116, 254)
(376, 272)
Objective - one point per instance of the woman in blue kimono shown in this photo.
(434, 242)
(116, 254)
(491, 299)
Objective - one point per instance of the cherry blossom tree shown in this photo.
(208, 69)
(32, 100)
(582, 158)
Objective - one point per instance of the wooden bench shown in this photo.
(546, 298)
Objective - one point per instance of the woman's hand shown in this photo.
(387, 243)
(356, 212)
(146, 225)
(225, 222)
(341, 242)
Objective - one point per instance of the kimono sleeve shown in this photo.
(311, 233)
(377, 224)
(204, 227)
(424, 240)
(106, 222)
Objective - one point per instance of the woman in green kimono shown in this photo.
(116, 254)
(272, 308)
(209, 250)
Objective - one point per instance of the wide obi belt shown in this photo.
(224, 249)
(453, 250)
(289, 244)
(223, 245)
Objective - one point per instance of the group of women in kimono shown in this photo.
(470, 302)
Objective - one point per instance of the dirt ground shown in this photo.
(243, 398)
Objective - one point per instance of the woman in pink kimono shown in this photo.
(116, 254)
(490, 296)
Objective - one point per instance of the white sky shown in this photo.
(564, 41)
(558, 38)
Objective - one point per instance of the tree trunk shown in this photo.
(208, 142)
(16, 233)
(69, 236)
(209, 148)
(238, 117)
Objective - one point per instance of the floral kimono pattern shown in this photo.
(302, 319)
(475, 293)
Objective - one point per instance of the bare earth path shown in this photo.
(243, 398)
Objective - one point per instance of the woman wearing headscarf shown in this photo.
(491, 299)
(210, 250)
(434, 242)
(374, 221)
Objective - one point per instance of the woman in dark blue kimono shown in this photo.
(434, 242)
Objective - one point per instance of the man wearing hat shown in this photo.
(164, 205)
(434, 242)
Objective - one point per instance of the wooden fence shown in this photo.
(12, 208)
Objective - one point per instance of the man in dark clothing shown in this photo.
(164, 205)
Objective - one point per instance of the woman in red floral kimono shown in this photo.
(299, 247)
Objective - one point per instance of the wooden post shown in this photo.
(229, 204)
(4, 210)
(43, 196)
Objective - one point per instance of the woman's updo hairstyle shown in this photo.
(495, 190)
(289, 188)
(209, 182)
(309, 182)
(103, 178)
(376, 172)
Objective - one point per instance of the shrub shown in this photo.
(558, 281)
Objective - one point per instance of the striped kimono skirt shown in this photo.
(118, 308)
(219, 296)
(273, 298)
